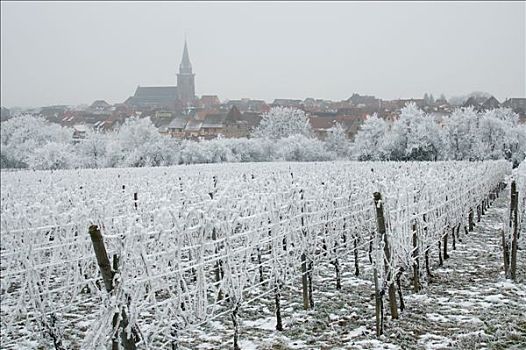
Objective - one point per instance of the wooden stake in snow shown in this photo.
(470, 220)
(233, 316)
(416, 261)
(277, 297)
(446, 255)
(515, 231)
(505, 254)
(120, 318)
(380, 220)
(378, 306)
(102, 257)
(356, 265)
(304, 278)
(440, 261)
(453, 242)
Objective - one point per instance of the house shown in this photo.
(366, 101)
(213, 125)
(321, 125)
(5, 114)
(401, 103)
(518, 105)
(192, 129)
(99, 106)
(325, 114)
(472, 102)
(239, 124)
(248, 105)
(350, 123)
(209, 101)
(284, 102)
(177, 126)
(53, 113)
(490, 103)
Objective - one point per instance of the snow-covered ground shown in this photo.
(467, 304)
(176, 230)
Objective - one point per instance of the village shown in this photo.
(177, 112)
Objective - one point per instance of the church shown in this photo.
(170, 98)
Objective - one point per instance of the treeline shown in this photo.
(283, 135)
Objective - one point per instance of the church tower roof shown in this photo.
(185, 66)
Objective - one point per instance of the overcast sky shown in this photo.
(73, 53)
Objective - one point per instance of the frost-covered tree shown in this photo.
(500, 134)
(23, 135)
(414, 136)
(337, 141)
(92, 150)
(52, 156)
(251, 150)
(138, 144)
(299, 148)
(461, 131)
(368, 141)
(280, 122)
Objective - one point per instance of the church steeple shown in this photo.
(185, 67)
(185, 80)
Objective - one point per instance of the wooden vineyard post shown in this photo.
(380, 220)
(304, 281)
(505, 254)
(356, 265)
(446, 255)
(277, 297)
(378, 306)
(304, 278)
(233, 315)
(426, 252)
(515, 229)
(470, 220)
(399, 287)
(440, 261)
(416, 261)
(260, 263)
(426, 258)
(453, 243)
(309, 275)
(218, 268)
(336, 264)
(107, 273)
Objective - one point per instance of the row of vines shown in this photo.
(135, 257)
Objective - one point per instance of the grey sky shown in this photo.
(72, 53)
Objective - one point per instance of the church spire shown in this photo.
(185, 66)
(185, 80)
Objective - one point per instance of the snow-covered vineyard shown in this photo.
(154, 254)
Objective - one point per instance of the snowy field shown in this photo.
(199, 252)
